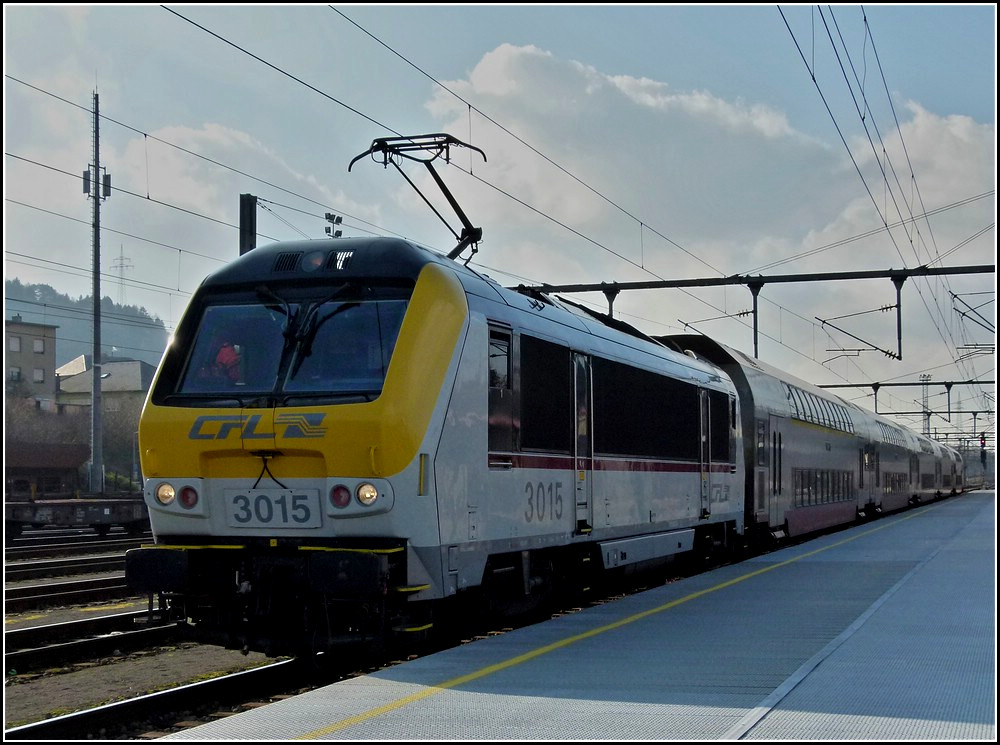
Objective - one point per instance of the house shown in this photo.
(43, 470)
(124, 384)
(31, 361)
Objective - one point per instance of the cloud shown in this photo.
(703, 105)
(943, 156)
(692, 165)
(689, 184)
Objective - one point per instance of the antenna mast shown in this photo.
(100, 192)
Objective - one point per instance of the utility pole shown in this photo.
(248, 223)
(924, 380)
(99, 192)
(121, 264)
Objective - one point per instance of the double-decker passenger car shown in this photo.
(808, 453)
(814, 460)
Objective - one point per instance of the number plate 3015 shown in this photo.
(273, 508)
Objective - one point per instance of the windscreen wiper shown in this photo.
(291, 317)
(306, 330)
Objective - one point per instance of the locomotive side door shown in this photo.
(704, 454)
(583, 449)
(867, 475)
(776, 486)
(762, 470)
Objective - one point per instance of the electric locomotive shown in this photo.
(343, 433)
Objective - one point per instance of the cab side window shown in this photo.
(501, 395)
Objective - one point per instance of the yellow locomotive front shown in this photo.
(286, 445)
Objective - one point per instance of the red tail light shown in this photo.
(340, 495)
(188, 497)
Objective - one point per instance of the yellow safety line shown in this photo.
(353, 550)
(528, 656)
(300, 548)
(413, 629)
(185, 548)
(411, 588)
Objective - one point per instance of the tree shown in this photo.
(120, 425)
(25, 422)
(130, 329)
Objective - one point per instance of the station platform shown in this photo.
(884, 631)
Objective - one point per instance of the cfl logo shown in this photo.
(293, 426)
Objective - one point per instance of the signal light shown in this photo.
(340, 496)
(188, 497)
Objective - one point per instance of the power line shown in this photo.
(112, 230)
(72, 312)
(876, 231)
(120, 190)
(148, 285)
(532, 148)
(146, 135)
(864, 121)
(854, 161)
(283, 72)
(942, 280)
(65, 269)
(607, 199)
(390, 129)
(903, 221)
(510, 196)
(356, 111)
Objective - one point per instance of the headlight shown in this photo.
(165, 494)
(367, 494)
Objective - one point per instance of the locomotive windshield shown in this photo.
(334, 347)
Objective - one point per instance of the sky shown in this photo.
(622, 144)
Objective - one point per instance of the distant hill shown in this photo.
(127, 331)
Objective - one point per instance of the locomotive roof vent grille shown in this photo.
(287, 262)
(339, 260)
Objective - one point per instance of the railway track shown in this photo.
(72, 592)
(63, 644)
(53, 633)
(135, 717)
(58, 556)
(42, 568)
(81, 546)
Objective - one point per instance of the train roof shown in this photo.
(883, 427)
(330, 258)
(384, 258)
(723, 355)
